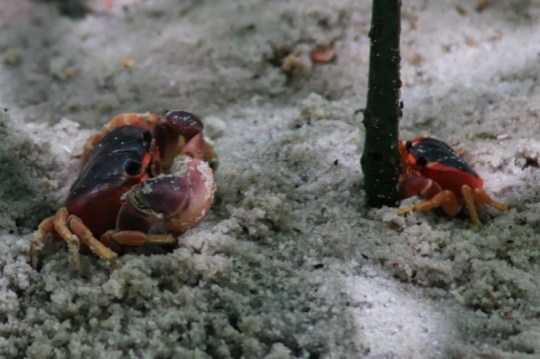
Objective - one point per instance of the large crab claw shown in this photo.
(179, 200)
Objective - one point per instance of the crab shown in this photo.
(433, 170)
(139, 170)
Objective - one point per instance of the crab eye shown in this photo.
(421, 161)
(147, 138)
(408, 145)
(133, 168)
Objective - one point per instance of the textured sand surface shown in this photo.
(289, 263)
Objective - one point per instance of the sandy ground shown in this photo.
(289, 263)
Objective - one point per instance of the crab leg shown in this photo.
(86, 237)
(485, 198)
(445, 199)
(136, 238)
(61, 227)
(45, 227)
(470, 203)
(435, 196)
(145, 120)
(57, 223)
(73, 232)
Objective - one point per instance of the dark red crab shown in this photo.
(433, 170)
(141, 169)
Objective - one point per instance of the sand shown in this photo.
(289, 263)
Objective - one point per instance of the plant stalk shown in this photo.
(381, 159)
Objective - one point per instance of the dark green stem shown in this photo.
(381, 160)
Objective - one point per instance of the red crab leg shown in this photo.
(145, 121)
(477, 197)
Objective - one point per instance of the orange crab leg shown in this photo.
(436, 197)
(468, 196)
(73, 232)
(86, 237)
(476, 198)
(61, 227)
(45, 227)
(445, 199)
(485, 198)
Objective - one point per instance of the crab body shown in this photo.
(125, 185)
(115, 165)
(433, 170)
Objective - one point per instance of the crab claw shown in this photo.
(201, 195)
(180, 200)
(171, 126)
(183, 123)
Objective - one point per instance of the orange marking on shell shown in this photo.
(143, 120)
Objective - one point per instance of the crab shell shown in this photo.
(116, 164)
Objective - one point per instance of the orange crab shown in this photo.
(433, 170)
(139, 170)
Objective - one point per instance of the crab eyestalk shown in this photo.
(168, 130)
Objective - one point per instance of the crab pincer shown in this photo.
(180, 200)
